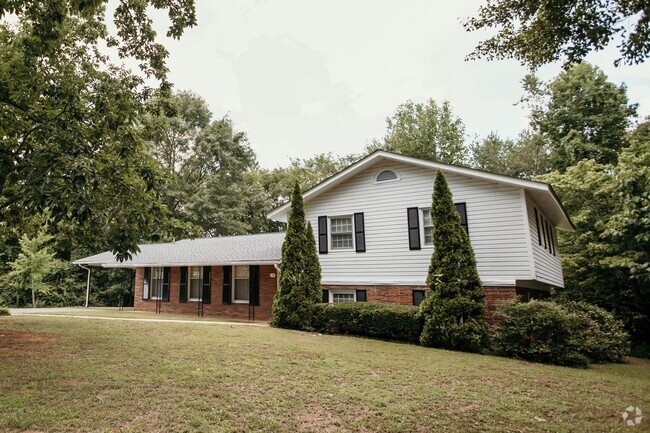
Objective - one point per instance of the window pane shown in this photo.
(242, 290)
(195, 289)
(241, 272)
(426, 218)
(156, 283)
(428, 236)
(196, 272)
(341, 225)
(342, 297)
(342, 241)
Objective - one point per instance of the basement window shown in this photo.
(346, 296)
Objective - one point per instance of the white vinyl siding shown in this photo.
(494, 211)
(548, 268)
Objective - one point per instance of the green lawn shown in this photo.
(62, 374)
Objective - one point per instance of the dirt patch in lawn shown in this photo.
(316, 419)
(14, 342)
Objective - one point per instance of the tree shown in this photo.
(33, 264)
(525, 158)
(48, 24)
(605, 262)
(536, 32)
(70, 142)
(581, 116)
(299, 285)
(454, 308)
(205, 162)
(428, 131)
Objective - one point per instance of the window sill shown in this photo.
(240, 302)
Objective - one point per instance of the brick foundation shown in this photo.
(216, 307)
(494, 296)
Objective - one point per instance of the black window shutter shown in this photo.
(544, 234)
(326, 296)
(206, 295)
(322, 235)
(359, 233)
(361, 296)
(418, 296)
(146, 283)
(461, 208)
(553, 239)
(413, 215)
(227, 285)
(254, 276)
(165, 288)
(182, 288)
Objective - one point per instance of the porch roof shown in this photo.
(264, 248)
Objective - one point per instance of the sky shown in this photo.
(305, 77)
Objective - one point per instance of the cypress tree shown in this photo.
(299, 285)
(453, 310)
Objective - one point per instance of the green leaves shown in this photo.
(453, 310)
(428, 131)
(536, 33)
(299, 283)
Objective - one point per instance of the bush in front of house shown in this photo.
(385, 321)
(572, 335)
(601, 337)
(4, 311)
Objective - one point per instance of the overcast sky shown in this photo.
(305, 77)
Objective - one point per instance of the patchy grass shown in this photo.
(131, 314)
(61, 374)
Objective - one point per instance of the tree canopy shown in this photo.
(425, 130)
(538, 32)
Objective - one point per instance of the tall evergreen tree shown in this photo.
(299, 287)
(453, 310)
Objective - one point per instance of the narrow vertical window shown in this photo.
(462, 211)
(196, 283)
(241, 286)
(539, 234)
(427, 224)
(157, 278)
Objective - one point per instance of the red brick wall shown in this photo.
(215, 308)
(494, 296)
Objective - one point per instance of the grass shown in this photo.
(130, 314)
(61, 374)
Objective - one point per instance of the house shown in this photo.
(374, 239)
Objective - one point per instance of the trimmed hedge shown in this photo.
(387, 321)
(571, 334)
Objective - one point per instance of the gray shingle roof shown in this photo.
(259, 248)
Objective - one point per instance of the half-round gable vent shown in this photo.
(386, 175)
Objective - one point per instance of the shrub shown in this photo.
(4, 311)
(539, 331)
(571, 334)
(600, 336)
(387, 321)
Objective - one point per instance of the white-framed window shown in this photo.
(195, 285)
(386, 176)
(427, 227)
(341, 230)
(241, 285)
(337, 296)
(157, 277)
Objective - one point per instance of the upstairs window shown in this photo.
(386, 175)
(428, 227)
(341, 229)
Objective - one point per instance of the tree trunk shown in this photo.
(33, 295)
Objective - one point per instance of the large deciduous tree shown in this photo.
(299, 285)
(206, 162)
(70, 142)
(453, 309)
(538, 32)
(429, 131)
(581, 116)
(525, 157)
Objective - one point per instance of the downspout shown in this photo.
(277, 276)
(87, 285)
